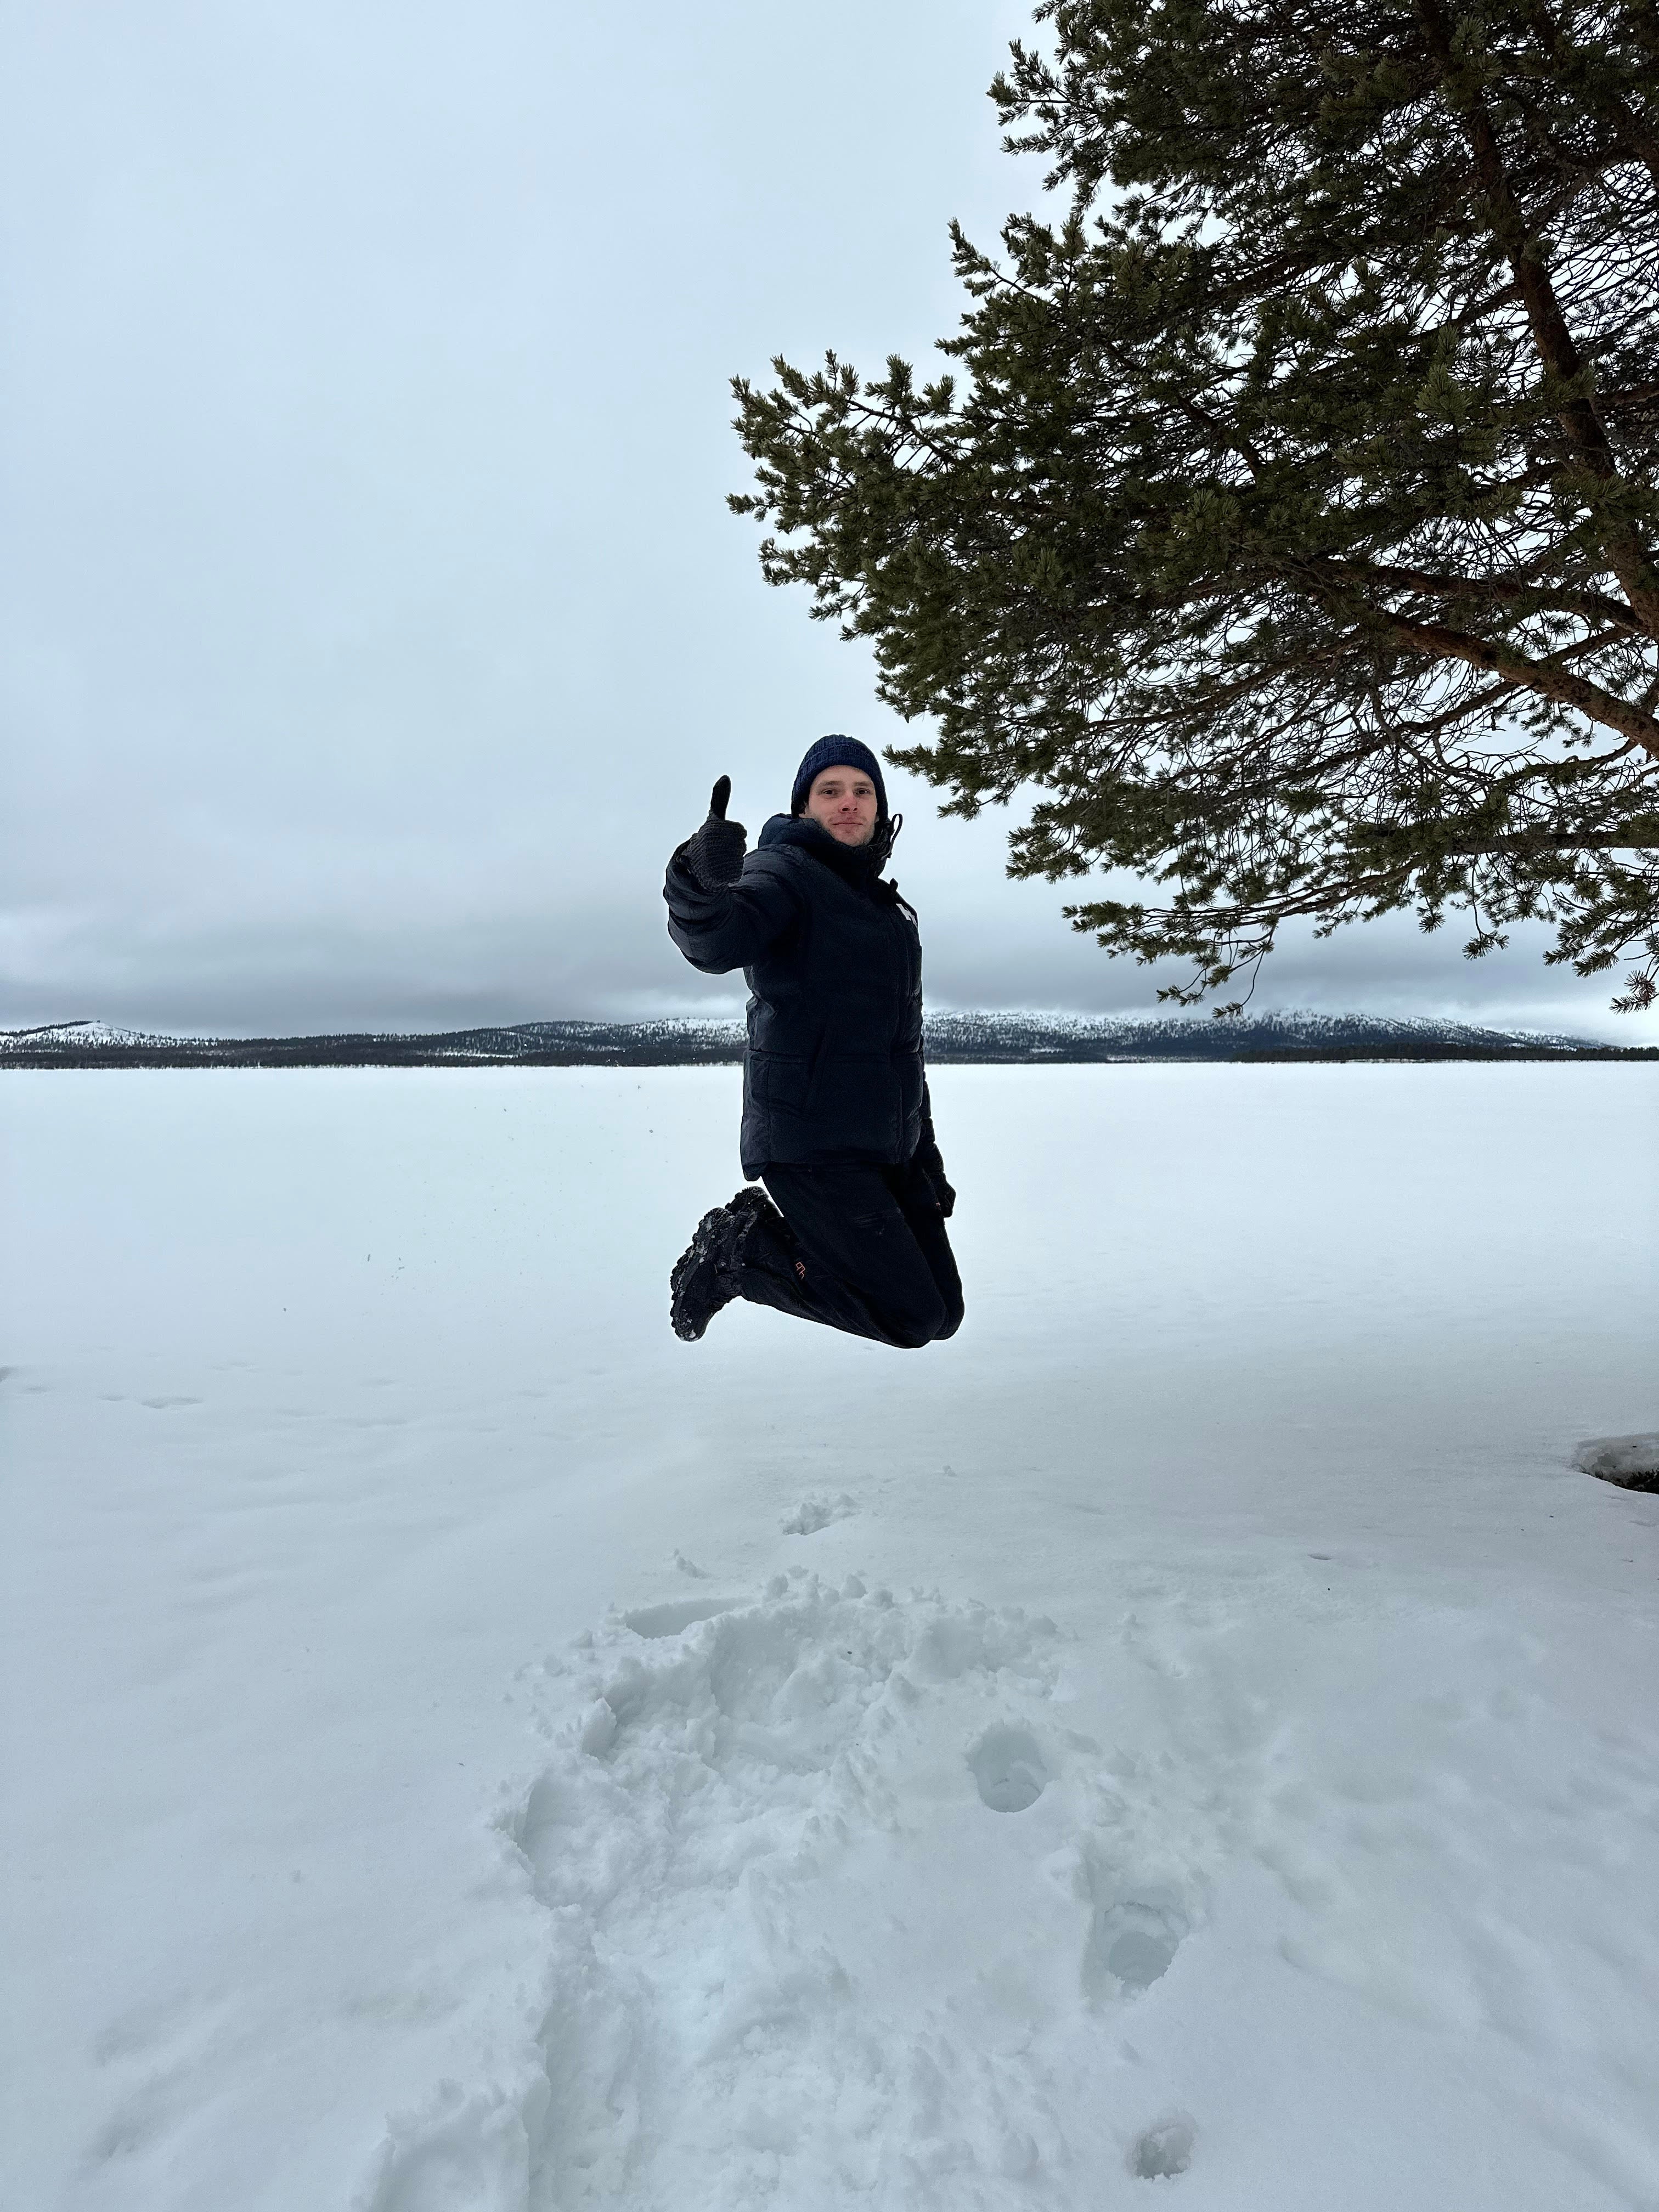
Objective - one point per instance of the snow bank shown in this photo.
(1630, 1461)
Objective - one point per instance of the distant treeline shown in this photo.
(977, 1039)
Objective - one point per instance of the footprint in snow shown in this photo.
(1132, 1944)
(678, 1614)
(829, 1917)
(1164, 2150)
(1008, 1768)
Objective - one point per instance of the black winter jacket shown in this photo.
(834, 1066)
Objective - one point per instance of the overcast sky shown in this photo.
(374, 623)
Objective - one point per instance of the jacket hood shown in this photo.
(858, 863)
(854, 861)
(794, 829)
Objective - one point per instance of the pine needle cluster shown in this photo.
(1289, 518)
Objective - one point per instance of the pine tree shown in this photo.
(1291, 521)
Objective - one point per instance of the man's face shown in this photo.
(843, 799)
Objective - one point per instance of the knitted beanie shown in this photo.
(837, 752)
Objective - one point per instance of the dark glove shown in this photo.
(929, 1166)
(928, 1159)
(715, 855)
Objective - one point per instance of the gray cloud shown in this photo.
(373, 625)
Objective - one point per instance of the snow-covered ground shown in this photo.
(1194, 1738)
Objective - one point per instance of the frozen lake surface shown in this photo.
(1192, 1738)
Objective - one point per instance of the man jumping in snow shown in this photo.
(837, 1119)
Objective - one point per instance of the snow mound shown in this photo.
(1630, 1461)
(829, 1921)
(815, 1513)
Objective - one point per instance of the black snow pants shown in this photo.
(863, 1249)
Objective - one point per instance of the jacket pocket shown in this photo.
(779, 1080)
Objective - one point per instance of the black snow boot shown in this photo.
(705, 1276)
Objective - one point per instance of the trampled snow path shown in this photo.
(842, 1906)
(837, 1904)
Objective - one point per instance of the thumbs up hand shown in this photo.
(715, 854)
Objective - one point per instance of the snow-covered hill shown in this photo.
(965, 1037)
(982, 1037)
(67, 1038)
